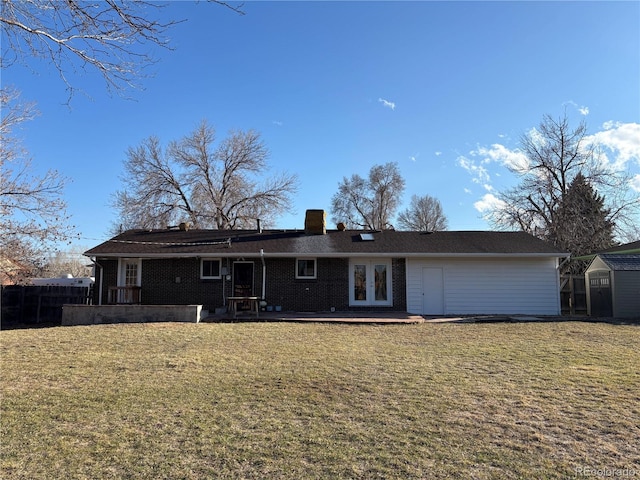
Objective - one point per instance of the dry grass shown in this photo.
(260, 400)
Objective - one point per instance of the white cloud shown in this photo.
(513, 159)
(488, 203)
(536, 136)
(478, 173)
(582, 110)
(387, 103)
(277, 123)
(619, 146)
(438, 153)
(620, 141)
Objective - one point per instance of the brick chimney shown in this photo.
(315, 223)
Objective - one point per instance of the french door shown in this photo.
(370, 282)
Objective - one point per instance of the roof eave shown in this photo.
(327, 255)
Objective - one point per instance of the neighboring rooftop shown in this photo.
(633, 248)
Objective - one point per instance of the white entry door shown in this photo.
(370, 282)
(432, 291)
(129, 277)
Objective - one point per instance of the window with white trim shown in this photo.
(306, 268)
(210, 268)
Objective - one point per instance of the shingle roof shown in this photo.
(177, 243)
(633, 247)
(621, 262)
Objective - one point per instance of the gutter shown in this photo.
(339, 255)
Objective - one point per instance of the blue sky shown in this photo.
(443, 88)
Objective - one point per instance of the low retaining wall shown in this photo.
(98, 314)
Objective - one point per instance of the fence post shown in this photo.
(22, 304)
(572, 299)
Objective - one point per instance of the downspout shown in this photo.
(264, 274)
(224, 283)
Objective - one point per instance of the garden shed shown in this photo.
(614, 285)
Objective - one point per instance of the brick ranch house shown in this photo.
(316, 269)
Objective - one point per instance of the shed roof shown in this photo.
(622, 262)
(335, 243)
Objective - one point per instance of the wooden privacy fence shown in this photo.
(39, 304)
(573, 295)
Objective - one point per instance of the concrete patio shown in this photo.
(331, 317)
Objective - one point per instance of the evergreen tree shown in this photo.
(581, 222)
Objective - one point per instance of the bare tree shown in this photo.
(424, 214)
(208, 187)
(111, 37)
(556, 154)
(32, 209)
(369, 203)
(70, 262)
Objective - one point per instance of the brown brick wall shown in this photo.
(160, 284)
(109, 271)
(399, 272)
(329, 289)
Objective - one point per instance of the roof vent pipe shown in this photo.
(259, 225)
